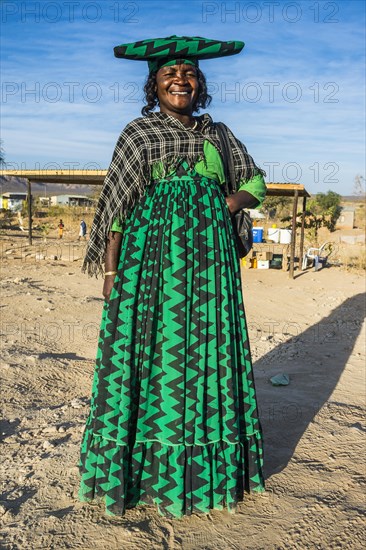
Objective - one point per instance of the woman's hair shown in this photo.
(151, 98)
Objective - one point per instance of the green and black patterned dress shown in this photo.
(173, 419)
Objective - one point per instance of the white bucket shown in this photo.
(273, 234)
(285, 236)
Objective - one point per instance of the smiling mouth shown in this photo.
(179, 93)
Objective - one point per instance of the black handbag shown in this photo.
(242, 223)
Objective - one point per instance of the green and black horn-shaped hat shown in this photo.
(175, 50)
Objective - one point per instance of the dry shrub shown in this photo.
(360, 216)
(353, 258)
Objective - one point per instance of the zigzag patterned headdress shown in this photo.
(175, 50)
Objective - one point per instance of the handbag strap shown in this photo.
(227, 158)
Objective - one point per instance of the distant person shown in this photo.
(82, 230)
(60, 229)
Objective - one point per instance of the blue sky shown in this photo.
(294, 96)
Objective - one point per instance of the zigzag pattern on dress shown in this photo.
(173, 419)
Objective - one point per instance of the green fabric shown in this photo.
(158, 51)
(212, 167)
(173, 419)
(256, 187)
(177, 61)
(117, 226)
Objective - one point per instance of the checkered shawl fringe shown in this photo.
(145, 141)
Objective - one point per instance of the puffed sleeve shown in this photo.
(255, 186)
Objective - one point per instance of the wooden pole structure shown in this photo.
(293, 235)
(302, 234)
(29, 199)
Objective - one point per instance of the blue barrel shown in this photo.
(257, 234)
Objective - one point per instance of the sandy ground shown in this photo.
(310, 328)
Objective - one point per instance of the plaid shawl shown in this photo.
(145, 141)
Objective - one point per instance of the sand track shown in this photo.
(310, 328)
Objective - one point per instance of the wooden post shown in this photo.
(293, 235)
(29, 199)
(302, 231)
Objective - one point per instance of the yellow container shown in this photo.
(254, 263)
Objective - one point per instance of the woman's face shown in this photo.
(177, 89)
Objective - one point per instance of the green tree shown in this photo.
(327, 208)
(323, 210)
(274, 206)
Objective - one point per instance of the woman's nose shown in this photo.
(180, 77)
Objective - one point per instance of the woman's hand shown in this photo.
(107, 287)
(112, 254)
(240, 200)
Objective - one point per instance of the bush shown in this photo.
(326, 208)
(275, 207)
(323, 210)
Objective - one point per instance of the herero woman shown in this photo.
(173, 419)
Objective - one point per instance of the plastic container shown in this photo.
(273, 234)
(257, 234)
(263, 264)
(285, 236)
(275, 264)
